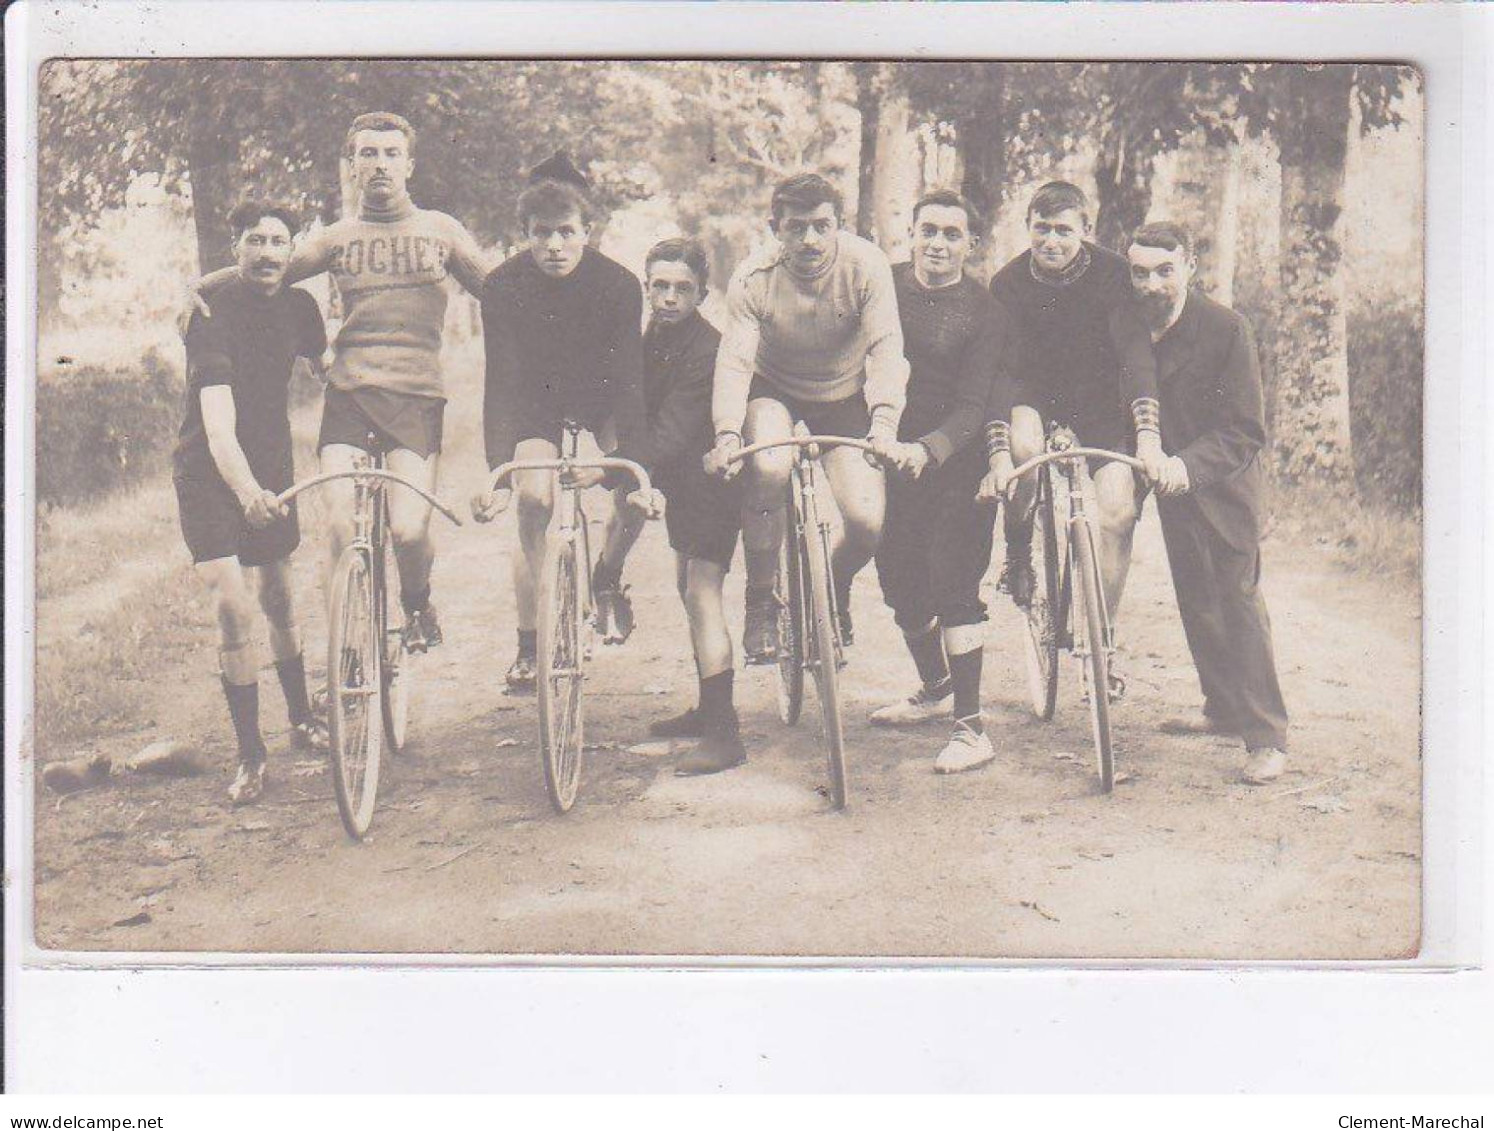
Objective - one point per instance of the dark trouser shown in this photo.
(936, 546)
(1228, 628)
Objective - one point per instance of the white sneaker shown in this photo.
(920, 707)
(966, 750)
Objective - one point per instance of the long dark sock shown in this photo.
(415, 601)
(716, 697)
(927, 648)
(292, 673)
(243, 709)
(528, 642)
(606, 575)
(964, 669)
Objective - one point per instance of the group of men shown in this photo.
(952, 383)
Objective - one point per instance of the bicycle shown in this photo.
(369, 669)
(1059, 613)
(567, 611)
(808, 620)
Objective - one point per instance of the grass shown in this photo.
(78, 545)
(92, 682)
(1363, 537)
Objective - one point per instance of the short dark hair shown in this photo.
(681, 249)
(247, 213)
(947, 198)
(1058, 196)
(1168, 235)
(553, 200)
(805, 191)
(378, 120)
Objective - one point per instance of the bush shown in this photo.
(1386, 374)
(98, 430)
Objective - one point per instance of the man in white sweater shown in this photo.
(812, 334)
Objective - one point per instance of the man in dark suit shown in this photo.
(1209, 494)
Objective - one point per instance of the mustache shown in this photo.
(266, 263)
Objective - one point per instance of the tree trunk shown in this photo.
(1312, 413)
(868, 102)
(213, 172)
(1199, 190)
(982, 140)
(895, 178)
(1258, 256)
(1123, 181)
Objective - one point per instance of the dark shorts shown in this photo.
(849, 417)
(936, 545)
(394, 420)
(702, 514)
(1098, 421)
(214, 527)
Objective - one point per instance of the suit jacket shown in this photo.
(1213, 417)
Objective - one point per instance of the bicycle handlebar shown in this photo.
(1076, 453)
(366, 473)
(606, 463)
(801, 442)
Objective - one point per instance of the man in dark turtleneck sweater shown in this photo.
(1086, 363)
(562, 334)
(936, 540)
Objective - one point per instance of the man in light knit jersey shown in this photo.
(390, 264)
(811, 335)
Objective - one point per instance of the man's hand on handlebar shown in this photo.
(1174, 477)
(1149, 452)
(650, 502)
(263, 508)
(997, 482)
(582, 477)
(488, 505)
(718, 461)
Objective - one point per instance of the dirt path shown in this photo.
(1023, 859)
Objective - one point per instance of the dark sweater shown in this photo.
(679, 362)
(1081, 341)
(249, 344)
(959, 343)
(574, 344)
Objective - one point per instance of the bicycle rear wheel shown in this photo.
(822, 653)
(1096, 659)
(789, 589)
(560, 674)
(1040, 642)
(355, 694)
(399, 665)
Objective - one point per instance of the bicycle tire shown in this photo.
(354, 723)
(1040, 642)
(789, 589)
(822, 650)
(399, 669)
(1096, 658)
(560, 673)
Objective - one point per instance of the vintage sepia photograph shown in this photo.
(768, 509)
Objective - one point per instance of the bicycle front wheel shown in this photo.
(399, 664)
(355, 694)
(822, 652)
(1040, 642)
(1096, 659)
(560, 672)
(789, 589)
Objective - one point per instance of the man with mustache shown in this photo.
(390, 263)
(563, 334)
(1209, 496)
(232, 459)
(812, 336)
(936, 542)
(1087, 363)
